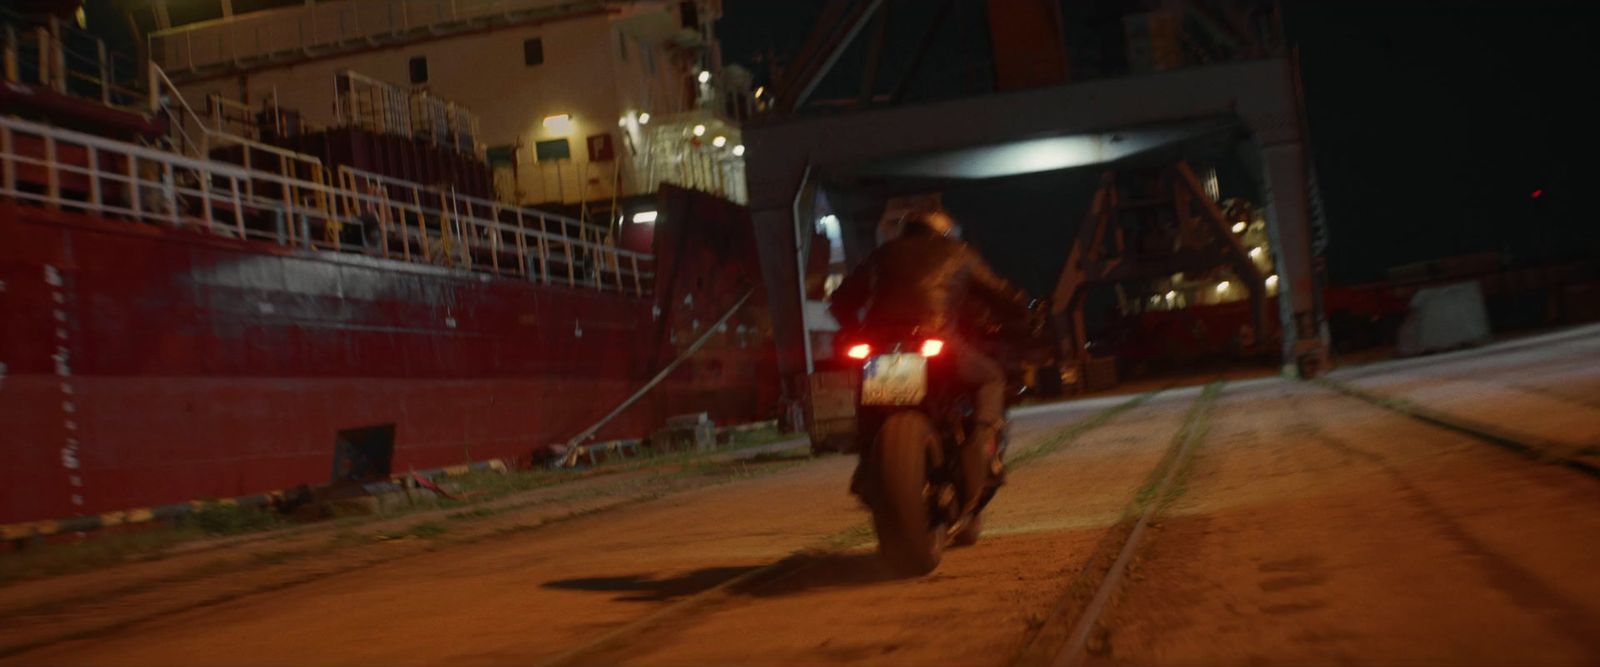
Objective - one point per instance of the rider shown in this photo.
(926, 278)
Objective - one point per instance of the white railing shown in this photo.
(261, 34)
(363, 213)
(379, 106)
(421, 224)
(70, 61)
(674, 154)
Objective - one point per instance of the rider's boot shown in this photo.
(979, 461)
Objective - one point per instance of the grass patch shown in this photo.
(757, 438)
(51, 559)
(779, 457)
(214, 518)
(741, 468)
(488, 483)
(148, 542)
(1067, 435)
(472, 513)
(428, 530)
(67, 555)
(1195, 425)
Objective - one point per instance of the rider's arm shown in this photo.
(993, 288)
(852, 294)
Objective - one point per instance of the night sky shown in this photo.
(1432, 129)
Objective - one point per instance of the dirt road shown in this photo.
(1307, 527)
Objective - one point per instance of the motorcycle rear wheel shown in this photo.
(910, 539)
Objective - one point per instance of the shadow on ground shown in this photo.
(649, 588)
(822, 571)
(797, 574)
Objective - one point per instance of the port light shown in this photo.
(699, 130)
(1238, 227)
(644, 118)
(559, 123)
(932, 347)
(1223, 286)
(738, 150)
(705, 76)
(719, 142)
(644, 217)
(1272, 281)
(859, 351)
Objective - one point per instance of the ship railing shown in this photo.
(277, 174)
(371, 214)
(413, 222)
(674, 154)
(56, 55)
(65, 169)
(166, 100)
(232, 116)
(379, 106)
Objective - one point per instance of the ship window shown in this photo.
(533, 52)
(554, 149)
(419, 69)
(501, 155)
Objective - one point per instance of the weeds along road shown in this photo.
(1307, 525)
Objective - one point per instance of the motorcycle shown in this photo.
(913, 415)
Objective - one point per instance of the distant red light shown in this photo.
(932, 347)
(859, 351)
(1538, 193)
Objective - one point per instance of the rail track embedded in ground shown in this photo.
(1055, 645)
(1065, 637)
(1580, 457)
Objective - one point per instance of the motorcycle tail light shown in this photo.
(859, 351)
(932, 347)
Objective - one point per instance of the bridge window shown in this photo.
(553, 149)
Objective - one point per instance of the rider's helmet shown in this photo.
(923, 219)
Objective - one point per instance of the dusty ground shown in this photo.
(1309, 527)
(1315, 530)
(1546, 390)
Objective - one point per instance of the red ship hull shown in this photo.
(146, 365)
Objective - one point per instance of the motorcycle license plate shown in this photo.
(894, 379)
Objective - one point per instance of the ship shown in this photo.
(281, 248)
